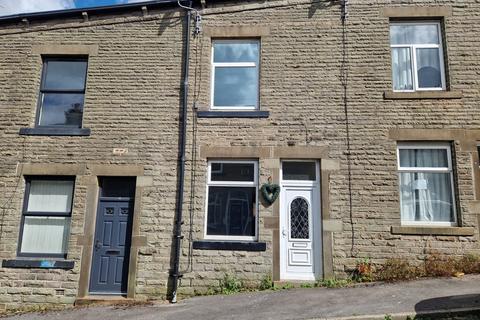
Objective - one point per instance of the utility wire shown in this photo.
(344, 79)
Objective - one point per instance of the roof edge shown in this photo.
(46, 15)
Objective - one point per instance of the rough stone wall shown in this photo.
(132, 101)
(301, 73)
(300, 87)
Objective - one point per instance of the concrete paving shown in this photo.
(363, 302)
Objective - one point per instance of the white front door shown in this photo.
(300, 230)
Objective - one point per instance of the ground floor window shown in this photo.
(426, 184)
(232, 189)
(46, 217)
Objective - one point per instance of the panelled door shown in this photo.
(111, 250)
(300, 231)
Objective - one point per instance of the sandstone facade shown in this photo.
(327, 87)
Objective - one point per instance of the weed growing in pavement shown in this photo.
(333, 283)
(287, 286)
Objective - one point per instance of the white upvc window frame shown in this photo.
(449, 169)
(211, 183)
(413, 54)
(234, 65)
(314, 183)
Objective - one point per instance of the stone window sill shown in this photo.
(38, 263)
(55, 131)
(437, 231)
(391, 95)
(233, 114)
(230, 245)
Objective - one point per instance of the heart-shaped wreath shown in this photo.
(270, 192)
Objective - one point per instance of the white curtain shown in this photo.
(50, 196)
(402, 69)
(45, 235)
(425, 196)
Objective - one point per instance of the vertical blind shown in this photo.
(45, 235)
(47, 218)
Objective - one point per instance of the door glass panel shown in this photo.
(117, 187)
(299, 219)
(299, 170)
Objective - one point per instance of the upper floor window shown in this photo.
(417, 56)
(426, 184)
(62, 92)
(46, 217)
(235, 74)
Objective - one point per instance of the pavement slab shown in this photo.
(359, 302)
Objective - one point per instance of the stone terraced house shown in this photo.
(144, 146)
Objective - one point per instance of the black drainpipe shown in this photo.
(175, 273)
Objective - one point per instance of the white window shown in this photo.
(231, 206)
(417, 56)
(46, 217)
(426, 184)
(235, 74)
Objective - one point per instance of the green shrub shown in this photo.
(230, 284)
(266, 283)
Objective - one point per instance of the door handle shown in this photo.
(284, 233)
(112, 251)
(97, 244)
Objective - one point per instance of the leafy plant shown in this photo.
(469, 263)
(334, 283)
(363, 271)
(287, 286)
(266, 283)
(398, 269)
(439, 266)
(230, 284)
(306, 285)
(387, 317)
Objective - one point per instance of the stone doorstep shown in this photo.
(104, 301)
(404, 315)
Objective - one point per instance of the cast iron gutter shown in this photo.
(58, 14)
(175, 273)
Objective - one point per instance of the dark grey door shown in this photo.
(111, 249)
